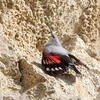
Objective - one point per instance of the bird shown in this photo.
(56, 59)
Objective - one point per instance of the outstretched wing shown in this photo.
(57, 64)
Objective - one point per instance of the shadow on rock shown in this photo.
(37, 64)
(68, 78)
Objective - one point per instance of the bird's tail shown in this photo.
(74, 68)
(77, 61)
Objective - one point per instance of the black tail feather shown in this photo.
(77, 61)
(75, 69)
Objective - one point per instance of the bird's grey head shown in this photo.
(53, 39)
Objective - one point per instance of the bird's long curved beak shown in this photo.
(52, 34)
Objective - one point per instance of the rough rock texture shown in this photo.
(23, 33)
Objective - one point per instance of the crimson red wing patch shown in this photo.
(54, 59)
(47, 59)
(52, 64)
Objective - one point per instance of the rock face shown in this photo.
(23, 33)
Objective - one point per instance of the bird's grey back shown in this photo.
(56, 50)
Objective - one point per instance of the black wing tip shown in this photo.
(78, 61)
(86, 66)
(74, 68)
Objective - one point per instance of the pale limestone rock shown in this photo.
(8, 60)
(98, 97)
(23, 33)
(30, 75)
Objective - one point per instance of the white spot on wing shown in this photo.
(47, 69)
(60, 68)
(52, 69)
(56, 68)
